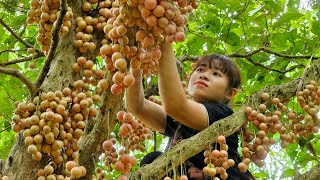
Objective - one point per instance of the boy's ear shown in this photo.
(231, 93)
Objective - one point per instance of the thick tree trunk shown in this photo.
(20, 164)
(312, 174)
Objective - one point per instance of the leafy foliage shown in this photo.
(289, 27)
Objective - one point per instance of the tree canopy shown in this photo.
(274, 43)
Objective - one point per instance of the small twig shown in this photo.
(6, 128)
(272, 69)
(15, 73)
(264, 49)
(203, 36)
(236, 16)
(54, 44)
(247, 54)
(12, 50)
(188, 57)
(15, 34)
(289, 56)
(15, 61)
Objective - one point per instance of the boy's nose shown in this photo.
(203, 76)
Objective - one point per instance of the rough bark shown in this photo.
(312, 174)
(1, 164)
(98, 130)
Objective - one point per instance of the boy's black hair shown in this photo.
(149, 158)
(225, 65)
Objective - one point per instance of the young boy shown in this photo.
(212, 84)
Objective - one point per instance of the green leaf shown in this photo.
(279, 39)
(259, 175)
(316, 28)
(287, 173)
(252, 12)
(286, 18)
(231, 38)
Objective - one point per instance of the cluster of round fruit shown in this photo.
(121, 81)
(156, 21)
(45, 14)
(71, 172)
(91, 75)
(309, 100)
(54, 122)
(217, 161)
(84, 39)
(134, 130)
(290, 125)
(121, 161)
(256, 145)
(100, 175)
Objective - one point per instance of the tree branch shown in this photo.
(190, 147)
(264, 49)
(272, 69)
(15, 61)
(187, 57)
(54, 44)
(17, 74)
(12, 50)
(312, 174)
(15, 34)
(247, 54)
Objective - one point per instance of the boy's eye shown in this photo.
(200, 69)
(216, 74)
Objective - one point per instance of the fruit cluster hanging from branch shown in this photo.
(273, 116)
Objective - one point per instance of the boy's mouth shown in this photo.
(201, 83)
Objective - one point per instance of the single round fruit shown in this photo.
(76, 172)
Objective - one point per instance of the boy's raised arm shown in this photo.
(173, 97)
(151, 114)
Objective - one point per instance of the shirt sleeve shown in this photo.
(217, 111)
(171, 127)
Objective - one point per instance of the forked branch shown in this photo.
(17, 74)
(16, 35)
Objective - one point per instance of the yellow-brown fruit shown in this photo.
(76, 172)
(48, 169)
(128, 80)
(86, 6)
(37, 156)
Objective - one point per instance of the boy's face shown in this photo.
(208, 85)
